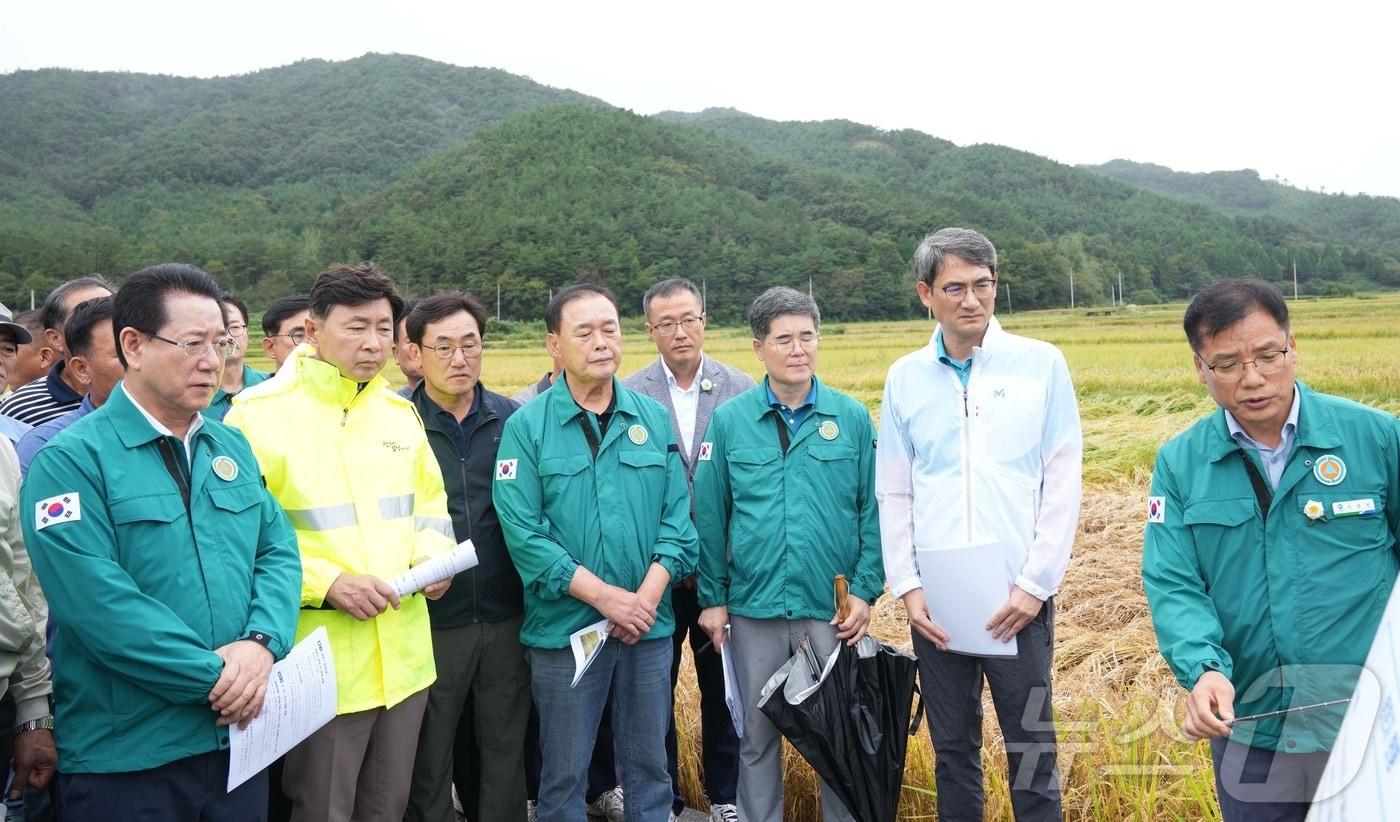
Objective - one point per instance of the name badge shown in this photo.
(1354, 508)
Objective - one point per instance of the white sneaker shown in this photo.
(724, 813)
(607, 806)
(532, 811)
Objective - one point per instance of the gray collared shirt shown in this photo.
(1274, 459)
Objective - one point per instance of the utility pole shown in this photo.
(1122, 300)
(809, 285)
(1009, 310)
(498, 300)
(1071, 288)
(1295, 278)
(704, 301)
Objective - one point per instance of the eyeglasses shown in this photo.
(471, 350)
(982, 288)
(668, 328)
(237, 329)
(223, 346)
(786, 342)
(1270, 362)
(296, 336)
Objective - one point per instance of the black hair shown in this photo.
(352, 285)
(86, 314)
(402, 322)
(1225, 302)
(236, 303)
(140, 304)
(54, 313)
(440, 306)
(555, 313)
(282, 309)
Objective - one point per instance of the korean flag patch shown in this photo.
(707, 449)
(1157, 509)
(62, 508)
(505, 470)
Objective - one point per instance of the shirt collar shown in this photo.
(671, 378)
(808, 402)
(1290, 426)
(58, 389)
(942, 353)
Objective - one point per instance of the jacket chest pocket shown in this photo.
(1335, 520)
(755, 473)
(1216, 529)
(560, 475)
(649, 465)
(148, 531)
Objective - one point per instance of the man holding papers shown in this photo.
(172, 573)
(784, 501)
(481, 666)
(351, 466)
(1270, 552)
(979, 480)
(591, 494)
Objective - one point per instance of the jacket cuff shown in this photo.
(317, 576)
(1025, 584)
(1200, 668)
(868, 592)
(905, 585)
(558, 577)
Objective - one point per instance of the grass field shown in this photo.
(1117, 707)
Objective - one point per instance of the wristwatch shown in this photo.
(43, 723)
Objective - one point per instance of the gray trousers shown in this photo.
(952, 692)
(357, 767)
(482, 672)
(760, 647)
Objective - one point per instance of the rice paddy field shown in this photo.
(1118, 709)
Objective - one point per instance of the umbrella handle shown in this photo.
(842, 591)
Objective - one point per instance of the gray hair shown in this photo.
(963, 243)
(777, 301)
(666, 288)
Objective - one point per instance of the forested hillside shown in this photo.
(453, 176)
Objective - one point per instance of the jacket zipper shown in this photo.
(967, 463)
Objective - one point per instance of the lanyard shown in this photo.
(1261, 488)
(782, 431)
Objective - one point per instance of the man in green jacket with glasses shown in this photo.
(1270, 552)
(784, 501)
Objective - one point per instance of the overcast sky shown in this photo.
(1305, 92)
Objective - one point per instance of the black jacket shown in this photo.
(491, 591)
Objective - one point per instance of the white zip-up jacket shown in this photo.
(998, 464)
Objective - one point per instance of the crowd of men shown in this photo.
(173, 521)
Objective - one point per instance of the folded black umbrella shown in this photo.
(849, 718)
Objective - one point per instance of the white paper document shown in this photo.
(1362, 777)
(440, 567)
(586, 644)
(301, 697)
(733, 699)
(964, 587)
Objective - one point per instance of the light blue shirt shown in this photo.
(792, 416)
(12, 429)
(39, 436)
(1274, 459)
(962, 369)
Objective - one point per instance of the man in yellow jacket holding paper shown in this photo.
(350, 464)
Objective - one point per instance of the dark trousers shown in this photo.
(719, 744)
(187, 790)
(1261, 785)
(952, 693)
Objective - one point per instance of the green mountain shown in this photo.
(1370, 222)
(453, 176)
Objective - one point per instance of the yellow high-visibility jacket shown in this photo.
(353, 470)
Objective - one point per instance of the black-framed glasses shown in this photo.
(470, 350)
(223, 346)
(667, 328)
(237, 329)
(984, 287)
(297, 337)
(1270, 362)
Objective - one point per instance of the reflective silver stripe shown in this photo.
(396, 507)
(439, 524)
(327, 518)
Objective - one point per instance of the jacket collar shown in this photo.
(565, 409)
(1316, 427)
(823, 402)
(325, 382)
(992, 340)
(429, 411)
(131, 425)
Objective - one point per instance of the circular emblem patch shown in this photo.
(828, 430)
(637, 434)
(225, 469)
(1329, 469)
